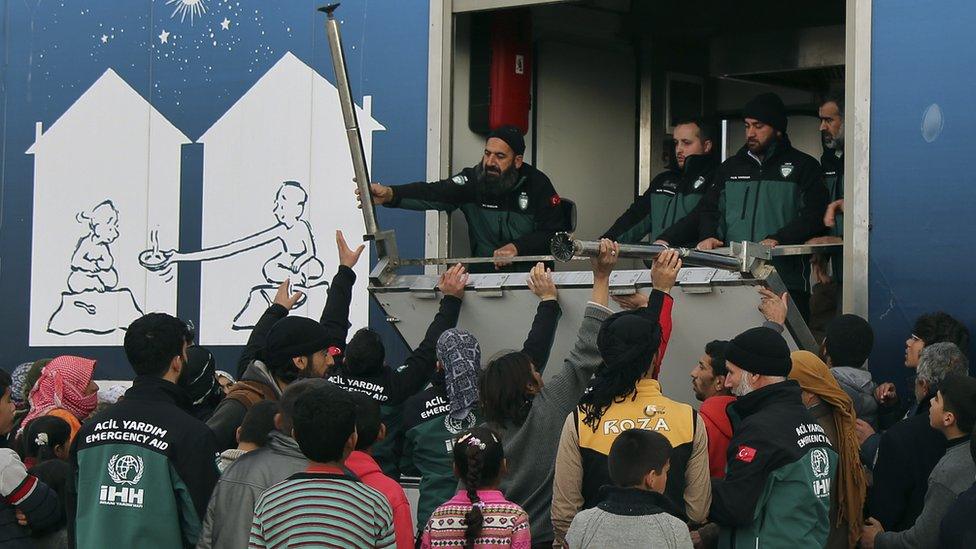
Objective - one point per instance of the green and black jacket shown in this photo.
(833, 178)
(144, 470)
(781, 468)
(527, 216)
(428, 432)
(390, 388)
(663, 210)
(781, 197)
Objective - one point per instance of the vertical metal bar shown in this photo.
(360, 169)
(857, 157)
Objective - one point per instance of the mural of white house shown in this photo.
(277, 184)
(106, 175)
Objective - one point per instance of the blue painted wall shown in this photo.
(922, 185)
(53, 51)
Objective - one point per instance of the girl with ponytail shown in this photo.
(479, 515)
(46, 441)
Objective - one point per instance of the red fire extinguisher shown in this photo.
(510, 80)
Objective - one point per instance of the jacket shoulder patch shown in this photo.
(745, 454)
(459, 179)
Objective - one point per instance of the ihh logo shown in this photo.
(126, 470)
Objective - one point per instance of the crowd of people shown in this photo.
(306, 442)
(308, 446)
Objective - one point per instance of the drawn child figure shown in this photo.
(92, 264)
(297, 260)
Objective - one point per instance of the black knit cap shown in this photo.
(294, 336)
(628, 338)
(760, 351)
(767, 108)
(512, 136)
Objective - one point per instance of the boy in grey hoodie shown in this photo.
(634, 512)
(845, 349)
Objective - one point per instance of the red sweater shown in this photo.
(719, 432)
(365, 467)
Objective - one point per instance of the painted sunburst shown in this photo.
(193, 8)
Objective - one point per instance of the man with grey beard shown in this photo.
(511, 207)
(781, 466)
(827, 269)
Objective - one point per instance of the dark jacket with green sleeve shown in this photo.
(144, 470)
(663, 210)
(781, 466)
(527, 216)
(392, 387)
(781, 197)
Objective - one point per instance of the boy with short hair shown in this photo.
(323, 506)
(634, 512)
(371, 430)
(952, 413)
(20, 491)
(253, 433)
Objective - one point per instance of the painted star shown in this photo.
(163, 37)
(104, 38)
(225, 24)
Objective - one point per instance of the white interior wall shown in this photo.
(586, 118)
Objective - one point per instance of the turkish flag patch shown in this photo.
(555, 200)
(745, 454)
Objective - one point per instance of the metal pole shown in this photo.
(352, 124)
(565, 247)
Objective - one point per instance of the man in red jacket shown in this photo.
(708, 382)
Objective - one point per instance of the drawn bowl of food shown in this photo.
(155, 259)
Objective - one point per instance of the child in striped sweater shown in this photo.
(479, 515)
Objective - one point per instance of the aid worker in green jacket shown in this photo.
(768, 192)
(674, 193)
(511, 207)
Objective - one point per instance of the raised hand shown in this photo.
(541, 284)
(347, 256)
(603, 264)
(664, 271)
(453, 281)
(631, 302)
(773, 306)
(285, 297)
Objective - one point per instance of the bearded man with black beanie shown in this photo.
(510, 206)
(768, 192)
(781, 466)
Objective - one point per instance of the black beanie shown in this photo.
(199, 376)
(767, 108)
(294, 336)
(628, 338)
(849, 340)
(512, 136)
(760, 351)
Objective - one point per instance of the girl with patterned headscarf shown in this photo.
(433, 418)
(64, 389)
